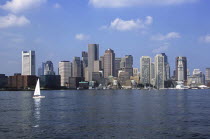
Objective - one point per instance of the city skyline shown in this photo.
(60, 30)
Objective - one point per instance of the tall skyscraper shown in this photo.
(84, 64)
(109, 63)
(167, 67)
(208, 76)
(145, 69)
(28, 63)
(48, 68)
(159, 71)
(181, 68)
(65, 71)
(93, 55)
(76, 67)
(126, 64)
(117, 66)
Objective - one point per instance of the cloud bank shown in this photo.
(129, 25)
(13, 21)
(133, 3)
(17, 6)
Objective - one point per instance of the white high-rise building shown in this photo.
(28, 63)
(145, 69)
(159, 71)
(65, 71)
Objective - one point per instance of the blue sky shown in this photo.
(60, 29)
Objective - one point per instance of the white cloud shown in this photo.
(56, 6)
(131, 3)
(205, 39)
(82, 37)
(16, 6)
(13, 21)
(128, 25)
(161, 49)
(169, 36)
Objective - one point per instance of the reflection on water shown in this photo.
(106, 114)
(37, 114)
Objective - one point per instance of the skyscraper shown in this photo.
(76, 67)
(28, 63)
(48, 68)
(126, 64)
(65, 71)
(84, 65)
(117, 66)
(159, 71)
(109, 63)
(181, 68)
(167, 67)
(145, 69)
(93, 54)
(207, 76)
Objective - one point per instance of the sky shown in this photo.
(61, 29)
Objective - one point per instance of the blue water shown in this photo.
(106, 114)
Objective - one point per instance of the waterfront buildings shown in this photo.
(109, 63)
(3, 81)
(50, 81)
(145, 69)
(19, 81)
(159, 71)
(28, 63)
(65, 71)
(93, 55)
(126, 64)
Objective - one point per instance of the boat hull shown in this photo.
(38, 97)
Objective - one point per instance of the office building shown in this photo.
(28, 63)
(48, 68)
(3, 81)
(50, 81)
(159, 71)
(65, 71)
(126, 64)
(109, 63)
(76, 67)
(181, 68)
(208, 76)
(145, 69)
(135, 72)
(93, 55)
(117, 66)
(19, 81)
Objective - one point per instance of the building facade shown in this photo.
(145, 69)
(181, 68)
(159, 71)
(109, 63)
(48, 68)
(126, 64)
(65, 71)
(76, 67)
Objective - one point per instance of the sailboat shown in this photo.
(37, 93)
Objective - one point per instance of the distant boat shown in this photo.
(37, 93)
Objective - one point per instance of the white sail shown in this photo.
(37, 89)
